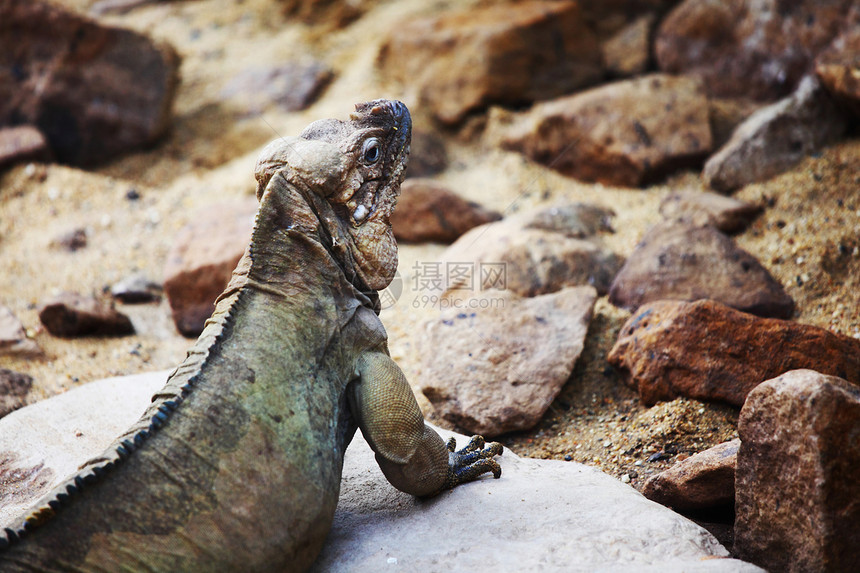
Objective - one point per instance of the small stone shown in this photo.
(627, 52)
(627, 133)
(797, 486)
(71, 241)
(292, 86)
(682, 261)
(577, 220)
(22, 143)
(838, 67)
(13, 337)
(461, 61)
(702, 481)
(625, 478)
(136, 289)
(72, 315)
(776, 137)
(427, 155)
(497, 368)
(710, 352)
(428, 211)
(727, 214)
(14, 387)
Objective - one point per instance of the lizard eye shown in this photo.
(370, 151)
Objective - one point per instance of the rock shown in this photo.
(202, 259)
(69, 76)
(747, 48)
(427, 155)
(797, 486)
(71, 315)
(726, 115)
(292, 86)
(13, 338)
(577, 220)
(43, 443)
(136, 289)
(727, 214)
(461, 61)
(838, 67)
(683, 261)
(626, 133)
(14, 387)
(628, 51)
(496, 364)
(331, 14)
(541, 515)
(428, 211)
(73, 240)
(776, 137)
(703, 481)
(22, 143)
(708, 351)
(527, 261)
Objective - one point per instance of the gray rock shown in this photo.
(578, 220)
(797, 488)
(292, 86)
(776, 137)
(136, 289)
(727, 214)
(13, 337)
(14, 387)
(496, 364)
(541, 515)
(683, 261)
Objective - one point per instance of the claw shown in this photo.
(472, 461)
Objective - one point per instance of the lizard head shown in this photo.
(356, 166)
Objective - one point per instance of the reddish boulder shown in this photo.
(428, 211)
(708, 351)
(626, 133)
(797, 489)
(202, 259)
(462, 61)
(683, 261)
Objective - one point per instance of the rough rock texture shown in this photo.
(71, 78)
(727, 114)
(703, 481)
(462, 61)
(578, 220)
(71, 314)
(838, 67)
(292, 86)
(797, 488)
(22, 143)
(727, 214)
(628, 52)
(202, 259)
(625, 133)
(44, 442)
(14, 387)
(428, 211)
(13, 338)
(527, 261)
(748, 48)
(776, 137)
(684, 261)
(496, 365)
(542, 515)
(708, 351)
(329, 13)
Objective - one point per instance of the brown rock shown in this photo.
(838, 67)
(331, 14)
(628, 51)
(496, 364)
(726, 115)
(746, 48)
(292, 86)
(427, 155)
(527, 261)
(428, 211)
(14, 388)
(578, 220)
(13, 338)
(202, 259)
(703, 481)
(71, 315)
(797, 488)
(626, 133)
(684, 261)
(708, 351)
(462, 61)
(727, 214)
(776, 137)
(22, 143)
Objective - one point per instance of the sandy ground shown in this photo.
(808, 236)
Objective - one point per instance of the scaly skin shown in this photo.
(236, 465)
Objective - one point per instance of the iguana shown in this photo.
(236, 464)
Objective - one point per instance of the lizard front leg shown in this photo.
(413, 457)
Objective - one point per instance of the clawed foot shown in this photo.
(472, 461)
